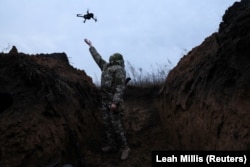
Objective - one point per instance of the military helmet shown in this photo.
(115, 57)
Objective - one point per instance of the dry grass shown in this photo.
(143, 78)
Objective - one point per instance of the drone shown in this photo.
(87, 16)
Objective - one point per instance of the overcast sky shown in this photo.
(146, 32)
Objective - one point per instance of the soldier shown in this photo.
(112, 85)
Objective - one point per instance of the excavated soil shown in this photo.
(205, 102)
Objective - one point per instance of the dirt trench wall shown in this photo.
(53, 105)
(205, 102)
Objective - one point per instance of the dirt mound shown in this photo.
(47, 107)
(205, 102)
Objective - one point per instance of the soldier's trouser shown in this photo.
(113, 125)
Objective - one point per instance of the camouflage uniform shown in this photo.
(112, 85)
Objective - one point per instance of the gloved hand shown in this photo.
(88, 42)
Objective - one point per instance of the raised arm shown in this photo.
(96, 56)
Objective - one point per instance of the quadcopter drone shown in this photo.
(87, 16)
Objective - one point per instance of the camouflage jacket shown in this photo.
(112, 78)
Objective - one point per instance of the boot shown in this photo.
(125, 152)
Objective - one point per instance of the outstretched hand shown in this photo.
(88, 42)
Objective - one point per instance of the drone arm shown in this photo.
(79, 15)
